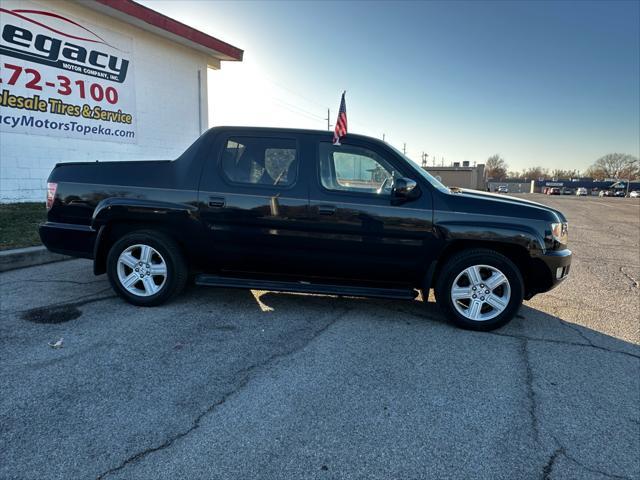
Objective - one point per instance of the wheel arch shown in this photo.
(115, 217)
(115, 229)
(518, 254)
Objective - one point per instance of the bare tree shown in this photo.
(596, 173)
(616, 165)
(536, 173)
(496, 167)
(559, 173)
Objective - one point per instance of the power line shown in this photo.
(298, 110)
(287, 104)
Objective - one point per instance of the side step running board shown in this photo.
(305, 287)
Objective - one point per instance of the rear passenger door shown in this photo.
(253, 202)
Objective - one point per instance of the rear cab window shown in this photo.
(260, 161)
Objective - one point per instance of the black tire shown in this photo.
(465, 259)
(176, 268)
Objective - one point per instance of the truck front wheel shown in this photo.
(146, 268)
(479, 289)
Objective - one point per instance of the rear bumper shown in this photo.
(69, 239)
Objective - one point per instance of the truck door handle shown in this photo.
(326, 209)
(216, 202)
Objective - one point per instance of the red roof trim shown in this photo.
(159, 20)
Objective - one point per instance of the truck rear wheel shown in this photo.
(479, 289)
(146, 268)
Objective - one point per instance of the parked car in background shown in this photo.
(619, 193)
(502, 189)
(287, 210)
(553, 191)
(581, 192)
(605, 193)
(634, 194)
(567, 191)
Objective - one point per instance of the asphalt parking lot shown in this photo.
(237, 384)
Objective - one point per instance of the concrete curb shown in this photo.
(28, 257)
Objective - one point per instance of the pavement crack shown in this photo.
(578, 331)
(548, 468)
(531, 394)
(561, 450)
(245, 376)
(33, 280)
(595, 470)
(634, 283)
(74, 302)
(565, 342)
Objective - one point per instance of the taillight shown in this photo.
(51, 194)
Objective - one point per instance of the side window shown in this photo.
(260, 161)
(354, 169)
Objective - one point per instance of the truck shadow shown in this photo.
(567, 385)
(529, 324)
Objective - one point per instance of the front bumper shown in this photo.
(550, 269)
(68, 238)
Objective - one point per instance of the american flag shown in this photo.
(341, 122)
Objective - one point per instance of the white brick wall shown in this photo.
(166, 82)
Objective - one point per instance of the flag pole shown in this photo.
(341, 121)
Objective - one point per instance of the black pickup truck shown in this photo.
(286, 210)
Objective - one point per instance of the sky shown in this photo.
(554, 84)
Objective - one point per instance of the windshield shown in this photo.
(423, 173)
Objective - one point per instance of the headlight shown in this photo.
(560, 232)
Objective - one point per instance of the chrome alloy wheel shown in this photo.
(480, 292)
(141, 270)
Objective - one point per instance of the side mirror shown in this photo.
(405, 189)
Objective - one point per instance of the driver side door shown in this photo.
(357, 232)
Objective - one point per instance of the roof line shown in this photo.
(158, 20)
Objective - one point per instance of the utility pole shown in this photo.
(424, 159)
(328, 119)
(383, 136)
(404, 148)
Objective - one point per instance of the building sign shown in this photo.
(62, 77)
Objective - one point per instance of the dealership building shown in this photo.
(97, 80)
(459, 175)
